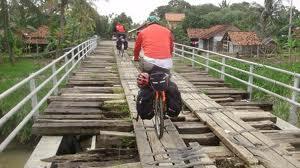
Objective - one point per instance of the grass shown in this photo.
(9, 76)
(280, 107)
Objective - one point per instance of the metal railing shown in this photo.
(191, 54)
(66, 64)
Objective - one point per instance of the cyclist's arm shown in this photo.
(137, 47)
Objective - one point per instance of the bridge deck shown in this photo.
(215, 129)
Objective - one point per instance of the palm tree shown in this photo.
(62, 4)
(267, 16)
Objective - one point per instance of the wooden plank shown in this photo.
(82, 127)
(202, 139)
(91, 83)
(264, 106)
(263, 125)
(86, 97)
(277, 152)
(240, 151)
(115, 139)
(142, 142)
(255, 116)
(217, 151)
(57, 104)
(205, 158)
(191, 127)
(89, 90)
(47, 147)
(70, 117)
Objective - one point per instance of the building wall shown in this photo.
(242, 50)
(200, 44)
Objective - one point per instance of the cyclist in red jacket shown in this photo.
(157, 44)
(120, 31)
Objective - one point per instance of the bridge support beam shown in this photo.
(47, 147)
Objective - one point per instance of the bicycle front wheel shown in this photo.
(159, 118)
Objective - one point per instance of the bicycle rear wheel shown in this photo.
(159, 118)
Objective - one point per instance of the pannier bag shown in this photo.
(174, 102)
(144, 103)
(159, 81)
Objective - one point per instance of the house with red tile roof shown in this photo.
(210, 38)
(296, 33)
(173, 19)
(36, 39)
(241, 43)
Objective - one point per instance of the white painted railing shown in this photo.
(70, 60)
(191, 53)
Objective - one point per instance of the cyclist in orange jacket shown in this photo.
(157, 44)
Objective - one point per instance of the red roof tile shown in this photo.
(174, 17)
(296, 32)
(244, 38)
(37, 37)
(194, 32)
(41, 32)
(210, 32)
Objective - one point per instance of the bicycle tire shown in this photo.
(159, 120)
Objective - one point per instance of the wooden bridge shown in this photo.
(89, 123)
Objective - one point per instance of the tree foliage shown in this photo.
(270, 20)
(78, 21)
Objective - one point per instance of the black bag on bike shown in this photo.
(159, 81)
(119, 44)
(144, 103)
(174, 102)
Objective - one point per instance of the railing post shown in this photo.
(73, 59)
(67, 65)
(223, 68)
(182, 50)
(85, 50)
(54, 79)
(34, 100)
(250, 81)
(207, 62)
(293, 116)
(193, 57)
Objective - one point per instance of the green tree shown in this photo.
(7, 31)
(123, 19)
(180, 35)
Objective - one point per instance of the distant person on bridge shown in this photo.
(120, 32)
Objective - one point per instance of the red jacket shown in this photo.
(120, 28)
(156, 41)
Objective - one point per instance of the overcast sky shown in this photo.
(139, 10)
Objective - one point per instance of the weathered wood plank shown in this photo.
(86, 97)
(82, 127)
(191, 127)
(202, 139)
(144, 148)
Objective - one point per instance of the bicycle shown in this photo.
(121, 46)
(159, 82)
